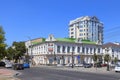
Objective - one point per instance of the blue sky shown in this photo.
(39, 18)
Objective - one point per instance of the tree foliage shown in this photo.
(16, 51)
(115, 59)
(107, 58)
(2, 43)
(11, 53)
(95, 57)
(20, 49)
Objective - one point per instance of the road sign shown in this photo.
(78, 57)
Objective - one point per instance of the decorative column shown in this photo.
(66, 49)
(76, 48)
(61, 49)
(81, 49)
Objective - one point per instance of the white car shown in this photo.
(69, 65)
(8, 64)
(79, 65)
(117, 68)
(59, 65)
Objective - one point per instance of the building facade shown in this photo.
(62, 51)
(87, 28)
(113, 49)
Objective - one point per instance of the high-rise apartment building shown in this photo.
(87, 28)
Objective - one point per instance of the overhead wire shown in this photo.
(112, 33)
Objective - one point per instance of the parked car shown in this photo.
(112, 66)
(8, 64)
(87, 65)
(103, 65)
(26, 65)
(2, 64)
(59, 64)
(79, 65)
(117, 68)
(18, 66)
(69, 65)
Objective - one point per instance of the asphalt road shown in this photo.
(41, 73)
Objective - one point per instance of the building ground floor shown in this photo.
(63, 59)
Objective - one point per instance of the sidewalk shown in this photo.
(90, 70)
(7, 74)
(82, 69)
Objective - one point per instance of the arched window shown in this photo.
(58, 49)
(73, 49)
(98, 50)
(63, 50)
(68, 49)
(86, 50)
(83, 50)
(78, 50)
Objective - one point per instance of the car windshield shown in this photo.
(118, 65)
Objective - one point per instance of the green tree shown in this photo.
(20, 50)
(2, 43)
(11, 53)
(115, 59)
(95, 57)
(107, 58)
(81, 58)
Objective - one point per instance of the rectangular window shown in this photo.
(87, 34)
(81, 26)
(72, 33)
(72, 37)
(98, 50)
(81, 34)
(71, 29)
(81, 30)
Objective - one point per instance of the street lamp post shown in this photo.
(72, 61)
(108, 67)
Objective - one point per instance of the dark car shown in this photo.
(87, 65)
(98, 65)
(18, 66)
(2, 64)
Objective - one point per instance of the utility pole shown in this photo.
(54, 58)
(31, 47)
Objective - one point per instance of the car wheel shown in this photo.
(116, 71)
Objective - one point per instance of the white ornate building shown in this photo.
(60, 50)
